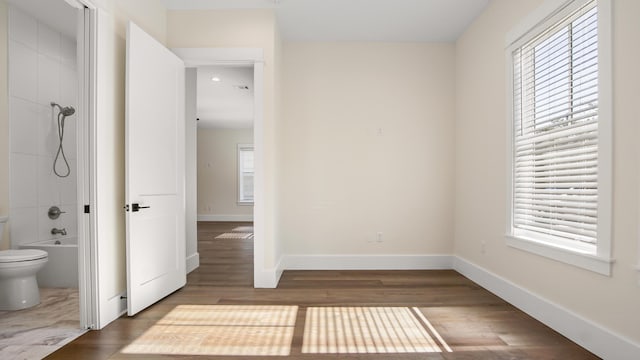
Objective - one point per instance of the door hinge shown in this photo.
(86, 209)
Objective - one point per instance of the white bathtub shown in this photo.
(61, 270)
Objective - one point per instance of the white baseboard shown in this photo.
(225, 217)
(268, 278)
(193, 261)
(593, 337)
(367, 262)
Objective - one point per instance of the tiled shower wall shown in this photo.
(42, 69)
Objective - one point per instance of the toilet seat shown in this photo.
(12, 256)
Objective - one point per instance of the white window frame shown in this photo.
(241, 149)
(549, 13)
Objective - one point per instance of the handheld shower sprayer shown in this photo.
(63, 113)
(66, 111)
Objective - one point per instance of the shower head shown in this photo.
(68, 110)
(65, 111)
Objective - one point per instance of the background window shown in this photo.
(245, 174)
(560, 204)
(556, 132)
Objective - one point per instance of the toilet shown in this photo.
(18, 268)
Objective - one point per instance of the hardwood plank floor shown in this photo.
(475, 323)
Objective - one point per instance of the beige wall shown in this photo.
(4, 125)
(233, 29)
(481, 172)
(278, 249)
(150, 15)
(218, 172)
(367, 147)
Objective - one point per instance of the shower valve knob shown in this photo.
(54, 212)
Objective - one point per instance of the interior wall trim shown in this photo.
(268, 278)
(367, 262)
(593, 337)
(225, 217)
(193, 262)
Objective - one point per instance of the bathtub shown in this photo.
(61, 271)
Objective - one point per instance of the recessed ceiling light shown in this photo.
(216, 79)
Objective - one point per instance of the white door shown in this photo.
(155, 171)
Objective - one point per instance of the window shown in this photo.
(245, 174)
(560, 121)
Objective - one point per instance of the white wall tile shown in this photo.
(23, 74)
(48, 80)
(24, 227)
(73, 221)
(47, 131)
(67, 186)
(45, 224)
(24, 184)
(68, 87)
(69, 220)
(68, 52)
(48, 192)
(49, 42)
(69, 141)
(23, 28)
(24, 126)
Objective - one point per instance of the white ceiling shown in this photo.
(225, 103)
(359, 20)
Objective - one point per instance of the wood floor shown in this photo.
(475, 323)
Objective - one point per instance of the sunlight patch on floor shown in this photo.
(235, 235)
(352, 330)
(220, 330)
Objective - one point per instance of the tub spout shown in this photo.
(62, 231)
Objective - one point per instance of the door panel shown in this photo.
(155, 171)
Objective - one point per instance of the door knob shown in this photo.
(136, 207)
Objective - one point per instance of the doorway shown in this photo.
(225, 161)
(48, 121)
(249, 59)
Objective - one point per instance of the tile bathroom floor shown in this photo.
(38, 331)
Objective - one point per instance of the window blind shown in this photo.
(555, 116)
(246, 174)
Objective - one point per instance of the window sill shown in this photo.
(582, 260)
(245, 203)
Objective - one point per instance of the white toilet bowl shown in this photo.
(18, 268)
(18, 284)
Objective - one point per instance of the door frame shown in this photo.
(86, 185)
(195, 57)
